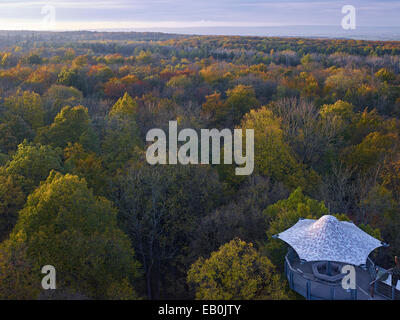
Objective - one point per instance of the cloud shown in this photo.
(191, 13)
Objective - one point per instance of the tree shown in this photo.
(390, 176)
(235, 272)
(86, 165)
(13, 131)
(284, 214)
(240, 100)
(217, 74)
(72, 124)
(304, 130)
(160, 208)
(8, 142)
(32, 164)
(73, 77)
(125, 106)
(341, 111)
(65, 225)
(115, 88)
(28, 105)
(385, 75)
(17, 281)
(41, 79)
(378, 207)
(273, 157)
(306, 60)
(59, 96)
(122, 133)
(11, 201)
(34, 58)
(343, 81)
(310, 87)
(7, 59)
(144, 57)
(98, 75)
(341, 118)
(29, 165)
(213, 107)
(241, 218)
(374, 148)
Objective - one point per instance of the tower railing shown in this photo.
(312, 288)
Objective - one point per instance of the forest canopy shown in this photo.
(77, 192)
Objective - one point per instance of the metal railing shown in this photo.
(312, 288)
(380, 287)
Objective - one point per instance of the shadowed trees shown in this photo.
(65, 225)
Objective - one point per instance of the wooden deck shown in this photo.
(302, 280)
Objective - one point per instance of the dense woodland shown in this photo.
(77, 193)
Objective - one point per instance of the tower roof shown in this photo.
(329, 239)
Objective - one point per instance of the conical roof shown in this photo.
(329, 239)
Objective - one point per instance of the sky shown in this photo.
(186, 14)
